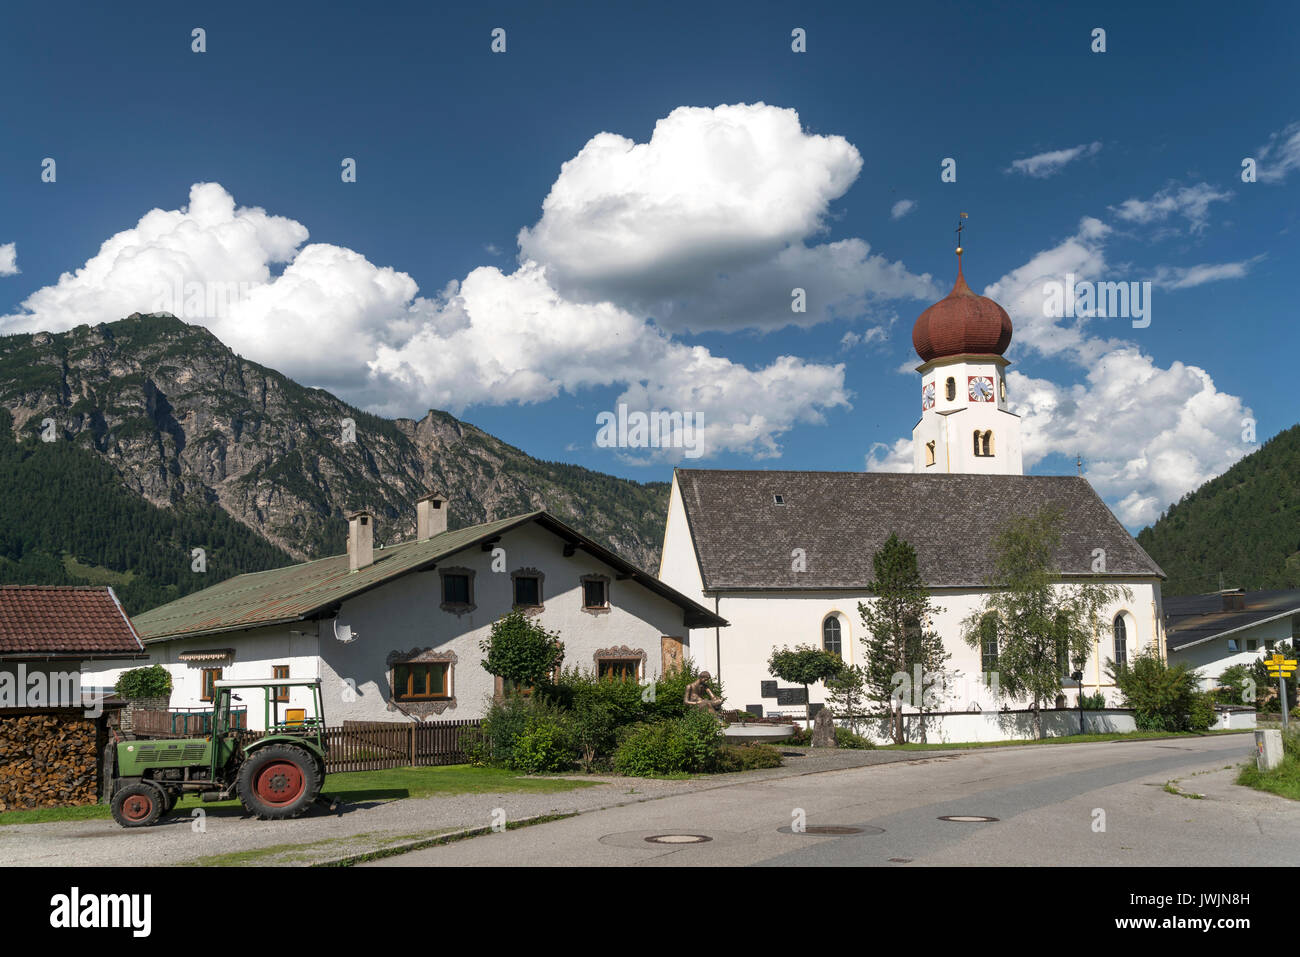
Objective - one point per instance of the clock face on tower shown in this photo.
(927, 396)
(980, 388)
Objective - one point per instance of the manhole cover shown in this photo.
(678, 839)
(832, 830)
(967, 818)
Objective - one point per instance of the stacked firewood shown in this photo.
(48, 759)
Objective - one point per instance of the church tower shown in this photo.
(965, 424)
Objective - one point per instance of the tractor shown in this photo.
(276, 776)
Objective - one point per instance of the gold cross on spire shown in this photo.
(960, 227)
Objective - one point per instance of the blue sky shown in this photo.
(654, 278)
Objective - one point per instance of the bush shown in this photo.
(1200, 714)
(521, 651)
(1093, 702)
(1232, 685)
(155, 681)
(528, 734)
(746, 757)
(1163, 696)
(689, 744)
(844, 738)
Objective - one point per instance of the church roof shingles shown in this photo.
(840, 519)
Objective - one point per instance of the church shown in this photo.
(784, 556)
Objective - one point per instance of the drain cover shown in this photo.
(968, 818)
(678, 839)
(832, 830)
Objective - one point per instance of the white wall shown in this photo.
(959, 727)
(405, 615)
(762, 622)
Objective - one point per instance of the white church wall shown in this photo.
(764, 621)
(967, 727)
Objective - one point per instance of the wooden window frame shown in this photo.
(281, 691)
(1119, 640)
(629, 668)
(207, 685)
(428, 667)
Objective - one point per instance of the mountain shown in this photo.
(161, 430)
(1241, 529)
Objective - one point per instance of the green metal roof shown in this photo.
(302, 591)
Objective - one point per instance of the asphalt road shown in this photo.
(1085, 804)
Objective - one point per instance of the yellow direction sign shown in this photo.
(1279, 665)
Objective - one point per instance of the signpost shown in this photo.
(1281, 668)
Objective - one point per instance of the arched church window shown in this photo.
(929, 453)
(950, 388)
(983, 443)
(989, 643)
(1121, 642)
(831, 635)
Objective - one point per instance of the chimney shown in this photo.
(361, 539)
(430, 515)
(1234, 599)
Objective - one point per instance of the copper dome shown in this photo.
(961, 323)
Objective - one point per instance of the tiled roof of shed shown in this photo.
(64, 621)
(744, 541)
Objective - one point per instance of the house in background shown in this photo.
(1213, 632)
(393, 633)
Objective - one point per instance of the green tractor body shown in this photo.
(276, 776)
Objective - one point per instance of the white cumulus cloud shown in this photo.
(712, 224)
(9, 259)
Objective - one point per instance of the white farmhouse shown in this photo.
(784, 556)
(1211, 633)
(393, 633)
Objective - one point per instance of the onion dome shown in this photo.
(961, 323)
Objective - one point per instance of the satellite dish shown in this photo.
(345, 634)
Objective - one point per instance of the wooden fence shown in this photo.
(371, 746)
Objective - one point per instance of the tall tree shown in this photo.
(1042, 625)
(904, 653)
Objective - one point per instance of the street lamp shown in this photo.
(1077, 678)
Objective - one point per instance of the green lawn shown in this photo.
(1066, 739)
(353, 787)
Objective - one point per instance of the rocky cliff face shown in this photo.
(184, 420)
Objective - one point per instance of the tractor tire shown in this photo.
(138, 805)
(170, 799)
(279, 782)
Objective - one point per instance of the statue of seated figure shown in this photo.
(700, 695)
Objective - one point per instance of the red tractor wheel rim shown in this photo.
(280, 783)
(137, 807)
